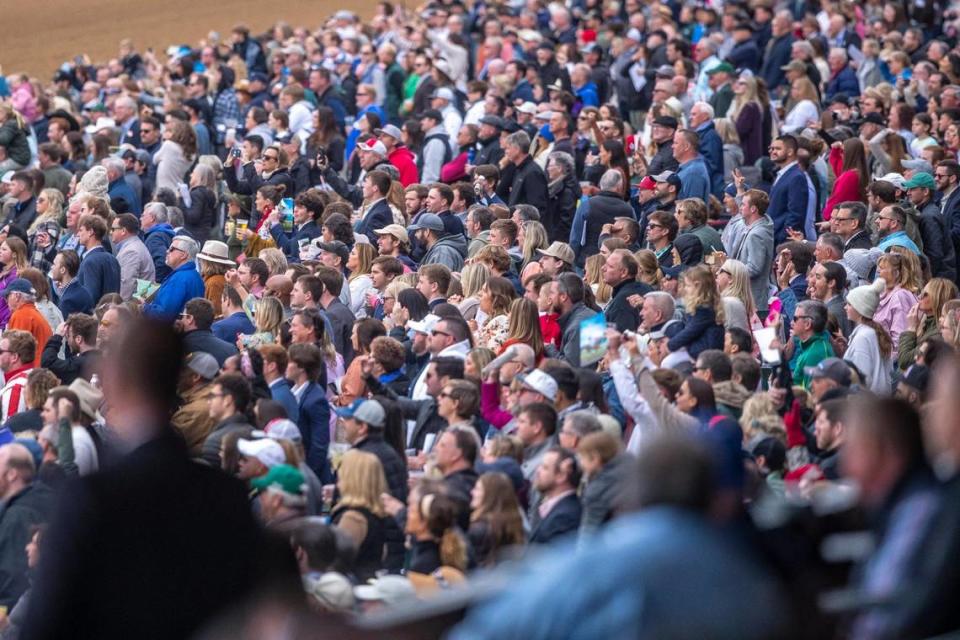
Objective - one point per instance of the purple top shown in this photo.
(4, 309)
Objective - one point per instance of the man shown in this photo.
(393, 241)
(536, 428)
(257, 458)
(557, 479)
(692, 218)
(602, 209)
(830, 373)
(529, 185)
(947, 177)
(21, 207)
(715, 367)
(373, 157)
(662, 135)
(568, 303)
(891, 227)
(79, 332)
(849, 221)
(21, 298)
(693, 173)
(234, 321)
(829, 433)
(383, 271)
(307, 209)
(486, 182)
(122, 197)
(258, 170)
(489, 151)
(274, 369)
(153, 483)
(341, 318)
(135, 260)
(194, 323)
(27, 504)
(18, 350)
(125, 110)
(719, 81)
(619, 272)
(193, 419)
(556, 259)
(455, 453)
(184, 282)
(778, 49)
(843, 79)
(934, 228)
(363, 423)
(305, 370)
(477, 226)
(282, 496)
(49, 155)
(658, 309)
(398, 154)
(710, 144)
(252, 275)
(575, 427)
(99, 270)
(827, 284)
(808, 343)
(756, 245)
(436, 146)
(745, 53)
(443, 249)
(158, 235)
(789, 197)
(230, 399)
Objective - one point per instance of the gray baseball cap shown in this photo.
(368, 411)
(428, 221)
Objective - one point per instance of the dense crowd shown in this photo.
(637, 303)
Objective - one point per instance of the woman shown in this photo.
(175, 155)
(14, 132)
(41, 284)
(747, 116)
(352, 386)
(265, 201)
(563, 194)
(733, 282)
(458, 404)
(496, 526)
(325, 142)
(524, 327)
(869, 346)
(805, 110)
(390, 297)
(704, 306)
(200, 209)
(649, 272)
(534, 239)
(890, 151)
(472, 279)
(474, 363)
(897, 299)
(359, 512)
(387, 356)
(214, 264)
(431, 523)
(49, 209)
(13, 260)
(592, 275)
(268, 320)
(613, 156)
(732, 149)
(923, 319)
(495, 299)
(410, 305)
(358, 264)
(848, 159)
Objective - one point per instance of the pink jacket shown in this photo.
(24, 102)
(892, 312)
(490, 405)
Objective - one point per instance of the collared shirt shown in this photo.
(299, 390)
(783, 171)
(547, 505)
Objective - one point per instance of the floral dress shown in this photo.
(493, 333)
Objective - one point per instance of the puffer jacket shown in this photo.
(14, 140)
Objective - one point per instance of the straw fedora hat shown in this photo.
(215, 251)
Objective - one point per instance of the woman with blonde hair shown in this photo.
(733, 282)
(390, 296)
(897, 298)
(950, 323)
(496, 525)
(915, 273)
(477, 359)
(524, 327)
(649, 272)
(923, 319)
(746, 114)
(359, 512)
(759, 418)
(472, 279)
(359, 263)
(49, 209)
(395, 199)
(805, 110)
(533, 236)
(276, 261)
(704, 328)
(432, 523)
(602, 292)
(495, 299)
(14, 134)
(13, 260)
(267, 318)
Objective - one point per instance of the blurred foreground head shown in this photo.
(140, 378)
(942, 424)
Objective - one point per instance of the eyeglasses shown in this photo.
(175, 248)
(654, 225)
(442, 333)
(116, 228)
(839, 219)
(796, 318)
(271, 158)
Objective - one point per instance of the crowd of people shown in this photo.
(652, 306)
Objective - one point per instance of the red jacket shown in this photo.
(402, 159)
(846, 187)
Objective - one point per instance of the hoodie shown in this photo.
(402, 158)
(449, 251)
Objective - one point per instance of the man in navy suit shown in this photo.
(307, 371)
(777, 53)
(745, 53)
(99, 270)
(789, 197)
(947, 177)
(307, 209)
(558, 513)
(376, 186)
(70, 295)
(843, 79)
(274, 367)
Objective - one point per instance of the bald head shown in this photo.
(16, 469)
(281, 286)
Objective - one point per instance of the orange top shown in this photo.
(28, 318)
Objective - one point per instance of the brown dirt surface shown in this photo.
(40, 35)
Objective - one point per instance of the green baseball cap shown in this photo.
(282, 477)
(723, 67)
(921, 179)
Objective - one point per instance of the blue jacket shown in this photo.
(351, 142)
(280, 391)
(844, 82)
(314, 423)
(182, 285)
(119, 189)
(745, 55)
(778, 55)
(158, 240)
(701, 332)
(228, 328)
(563, 518)
(377, 217)
(99, 273)
(588, 95)
(290, 243)
(788, 203)
(711, 148)
(695, 179)
(75, 299)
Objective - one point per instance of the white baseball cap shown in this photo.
(266, 451)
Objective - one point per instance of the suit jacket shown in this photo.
(129, 537)
(99, 273)
(563, 518)
(135, 262)
(341, 319)
(788, 203)
(377, 217)
(280, 391)
(290, 243)
(204, 340)
(721, 100)
(777, 56)
(951, 213)
(314, 423)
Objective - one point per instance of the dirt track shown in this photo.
(39, 35)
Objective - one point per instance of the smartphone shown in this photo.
(235, 152)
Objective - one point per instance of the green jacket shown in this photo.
(809, 354)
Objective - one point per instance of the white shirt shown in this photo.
(85, 452)
(645, 423)
(800, 116)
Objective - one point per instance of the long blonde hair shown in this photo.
(472, 279)
(276, 261)
(365, 257)
(361, 481)
(749, 95)
(54, 212)
(591, 275)
(269, 316)
(534, 237)
(909, 267)
(739, 286)
(649, 271)
(700, 290)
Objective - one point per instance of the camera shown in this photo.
(235, 152)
